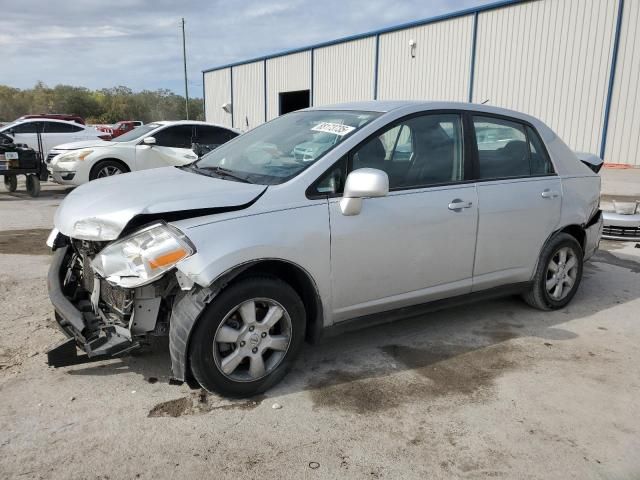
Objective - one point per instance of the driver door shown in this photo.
(172, 147)
(416, 244)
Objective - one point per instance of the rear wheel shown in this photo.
(11, 183)
(107, 168)
(248, 337)
(558, 274)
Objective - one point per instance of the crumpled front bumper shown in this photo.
(80, 325)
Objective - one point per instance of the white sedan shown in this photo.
(52, 132)
(153, 145)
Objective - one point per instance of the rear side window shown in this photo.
(540, 161)
(213, 136)
(56, 127)
(508, 149)
(180, 136)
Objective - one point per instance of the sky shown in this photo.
(138, 43)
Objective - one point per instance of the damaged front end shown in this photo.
(99, 316)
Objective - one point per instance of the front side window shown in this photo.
(27, 127)
(279, 150)
(421, 151)
(508, 149)
(137, 133)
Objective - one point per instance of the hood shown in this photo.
(83, 144)
(108, 205)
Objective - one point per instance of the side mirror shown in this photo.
(363, 183)
(11, 132)
(149, 140)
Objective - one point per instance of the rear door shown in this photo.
(57, 133)
(172, 147)
(519, 200)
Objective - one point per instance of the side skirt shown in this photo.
(423, 308)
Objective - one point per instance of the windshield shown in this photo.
(136, 132)
(279, 150)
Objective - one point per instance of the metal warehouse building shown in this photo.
(573, 63)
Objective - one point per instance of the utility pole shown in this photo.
(184, 58)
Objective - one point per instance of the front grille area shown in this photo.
(623, 232)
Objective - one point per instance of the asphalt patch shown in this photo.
(25, 242)
(610, 259)
(445, 370)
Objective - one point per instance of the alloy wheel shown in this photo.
(252, 340)
(108, 171)
(562, 272)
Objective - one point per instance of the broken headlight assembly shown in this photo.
(143, 256)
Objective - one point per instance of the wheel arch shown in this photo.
(187, 311)
(109, 159)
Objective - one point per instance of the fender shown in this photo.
(190, 304)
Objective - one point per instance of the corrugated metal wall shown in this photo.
(286, 74)
(344, 72)
(623, 140)
(550, 59)
(440, 69)
(248, 95)
(217, 91)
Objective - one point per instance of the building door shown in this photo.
(292, 101)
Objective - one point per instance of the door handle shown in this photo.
(458, 204)
(549, 194)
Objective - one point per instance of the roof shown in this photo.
(386, 106)
(394, 28)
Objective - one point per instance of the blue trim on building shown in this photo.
(264, 69)
(472, 71)
(233, 107)
(204, 99)
(311, 82)
(375, 68)
(612, 77)
(395, 28)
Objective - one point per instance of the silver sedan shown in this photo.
(314, 222)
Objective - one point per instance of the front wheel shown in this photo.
(558, 274)
(248, 337)
(107, 168)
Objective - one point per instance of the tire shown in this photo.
(11, 183)
(107, 168)
(226, 337)
(33, 185)
(552, 291)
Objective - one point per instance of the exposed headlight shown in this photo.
(73, 156)
(143, 256)
(95, 229)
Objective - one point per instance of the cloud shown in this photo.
(138, 42)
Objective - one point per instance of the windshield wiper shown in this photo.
(224, 172)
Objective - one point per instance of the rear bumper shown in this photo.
(621, 227)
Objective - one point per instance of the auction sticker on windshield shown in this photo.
(335, 128)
